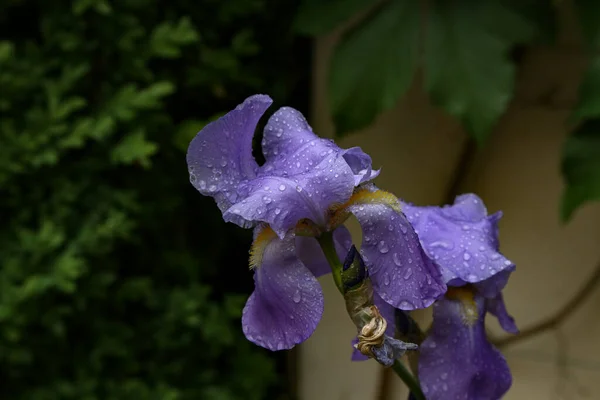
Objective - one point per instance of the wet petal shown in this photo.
(220, 156)
(287, 302)
(492, 286)
(291, 147)
(497, 307)
(456, 359)
(460, 238)
(400, 271)
(311, 255)
(360, 162)
(282, 202)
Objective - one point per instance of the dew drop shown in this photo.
(507, 263)
(495, 256)
(481, 248)
(212, 188)
(408, 273)
(383, 248)
(223, 163)
(298, 189)
(277, 211)
(442, 244)
(202, 184)
(386, 279)
(267, 199)
(282, 187)
(466, 256)
(397, 259)
(297, 297)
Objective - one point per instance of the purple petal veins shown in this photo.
(457, 361)
(287, 302)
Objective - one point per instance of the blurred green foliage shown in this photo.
(117, 279)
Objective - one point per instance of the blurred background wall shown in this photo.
(425, 156)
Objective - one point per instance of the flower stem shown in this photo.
(409, 380)
(328, 246)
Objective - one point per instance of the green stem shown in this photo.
(328, 246)
(409, 380)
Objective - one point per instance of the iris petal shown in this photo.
(309, 251)
(460, 238)
(400, 271)
(497, 307)
(287, 302)
(457, 360)
(282, 202)
(220, 156)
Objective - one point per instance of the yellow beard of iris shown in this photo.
(465, 295)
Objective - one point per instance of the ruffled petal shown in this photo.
(311, 255)
(456, 360)
(497, 307)
(220, 156)
(492, 286)
(287, 302)
(400, 271)
(290, 147)
(282, 202)
(460, 238)
(361, 165)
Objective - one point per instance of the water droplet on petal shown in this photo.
(383, 248)
(386, 279)
(282, 187)
(466, 227)
(298, 189)
(277, 211)
(223, 163)
(267, 199)
(297, 297)
(202, 184)
(397, 259)
(507, 263)
(495, 256)
(212, 188)
(443, 244)
(466, 256)
(408, 274)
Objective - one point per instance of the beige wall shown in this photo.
(518, 172)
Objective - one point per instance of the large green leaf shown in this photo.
(581, 167)
(588, 104)
(374, 65)
(467, 68)
(316, 17)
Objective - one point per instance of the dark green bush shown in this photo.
(117, 279)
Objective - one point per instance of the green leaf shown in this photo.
(467, 69)
(316, 17)
(167, 38)
(134, 148)
(581, 168)
(374, 65)
(588, 12)
(588, 104)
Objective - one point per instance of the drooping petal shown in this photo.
(282, 202)
(400, 271)
(290, 147)
(497, 307)
(456, 360)
(492, 286)
(461, 239)
(220, 156)
(287, 302)
(311, 255)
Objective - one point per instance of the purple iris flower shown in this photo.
(307, 186)
(456, 359)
